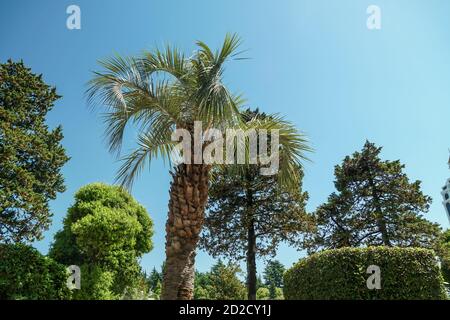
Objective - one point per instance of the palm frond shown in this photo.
(292, 148)
(170, 61)
(162, 90)
(216, 104)
(129, 94)
(150, 146)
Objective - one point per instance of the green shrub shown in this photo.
(406, 274)
(105, 232)
(262, 294)
(27, 274)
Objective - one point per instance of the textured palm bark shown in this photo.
(188, 196)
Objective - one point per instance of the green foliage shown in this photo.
(224, 282)
(262, 294)
(221, 283)
(105, 232)
(279, 294)
(141, 290)
(375, 204)
(162, 90)
(31, 155)
(273, 276)
(250, 214)
(96, 284)
(238, 204)
(406, 273)
(244, 204)
(154, 283)
(444, 253)
(155, 280)
(202, 286)
(156, 291)
(27, 274)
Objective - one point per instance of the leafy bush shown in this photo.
(105, 232)
(445, 255)
(224, 283)
(406, 273)
(262, 294)
(221, 283)
(27, 274)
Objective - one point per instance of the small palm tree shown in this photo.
(162, 91)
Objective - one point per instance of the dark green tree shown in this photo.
(262, 293)
(155, 279)
(224, 283)
(249, 214)
(220, 283)
(25, 274)
(273, 276)
(444, 254)
(375, 204)
(105, 232)
(202, 286)
(31, 155)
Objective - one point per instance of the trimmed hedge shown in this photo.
(27, 274)
(406, 274)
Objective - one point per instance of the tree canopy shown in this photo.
(221, 283)
(162, 91)
(248, 214)
(105, 232)
(27, 274)
(273, 276)
(375, 204)
(243, 198)
(444, 254)
(31, 155)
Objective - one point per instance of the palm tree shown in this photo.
(159, 92)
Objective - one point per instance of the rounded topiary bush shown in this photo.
(27, 274)
(406, 273)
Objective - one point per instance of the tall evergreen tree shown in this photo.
(202, 286)
(154, 279)
(444, 254)
(249, 214)
(273, 276)
(375, 204)
(31, 155)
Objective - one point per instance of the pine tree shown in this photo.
(375, 204)
(31, 155)
(273, 276)
(249, 214)
(154, 278)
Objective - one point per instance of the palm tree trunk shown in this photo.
(188, 196)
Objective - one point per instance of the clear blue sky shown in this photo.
(313, 61)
